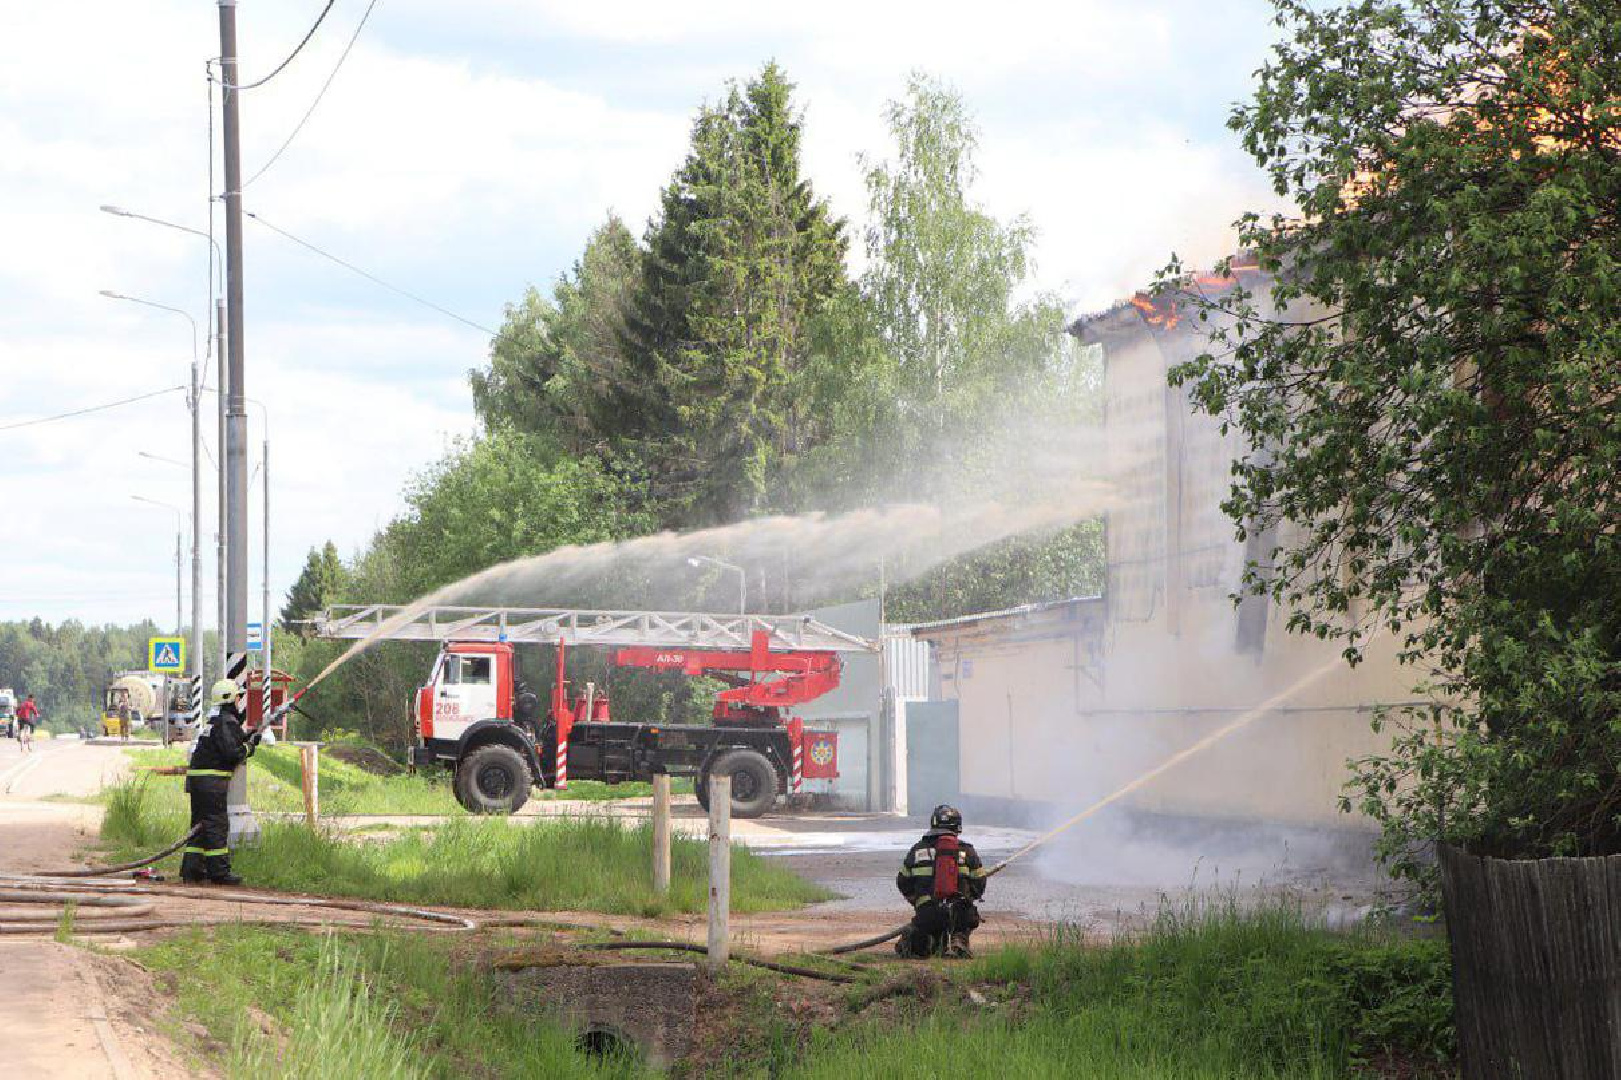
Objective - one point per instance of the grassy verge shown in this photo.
(1212, 994)
(273, 778)
(584, 864)
(388, 1006)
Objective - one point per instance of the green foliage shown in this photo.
(560, 366)
(318, 584)
(935, 379)
(67, 666)
(564, 864)
(1433, 396)
(740, 260)
(502, 496)
(1067, 565)
(942, 274)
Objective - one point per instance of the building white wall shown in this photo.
(1065, 704)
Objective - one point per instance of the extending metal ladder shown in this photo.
(668, 629)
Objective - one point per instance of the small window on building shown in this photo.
(966, 669)
(476, 669)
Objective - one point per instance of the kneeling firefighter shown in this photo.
(942, 877)
(221, 746)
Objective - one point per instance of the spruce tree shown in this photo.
(741, 257)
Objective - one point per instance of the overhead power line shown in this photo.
(91, 409)
(296, 50)
(372, 277)
(311, 110)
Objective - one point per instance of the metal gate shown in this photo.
(932, 762)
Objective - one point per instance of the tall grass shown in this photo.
(585, 864)
(339, 1029)
(1211, 991)
(387, 1005)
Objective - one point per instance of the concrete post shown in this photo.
(309, 769)
(720, 870)
(661, 833)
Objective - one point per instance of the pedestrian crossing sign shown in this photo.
(166, 655)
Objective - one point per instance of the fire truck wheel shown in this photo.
(493, 779)
(754, 782)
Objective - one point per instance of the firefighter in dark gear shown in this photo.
(221, 746)
(942, 877)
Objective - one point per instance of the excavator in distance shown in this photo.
(475, 715)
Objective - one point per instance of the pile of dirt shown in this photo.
(368, 758)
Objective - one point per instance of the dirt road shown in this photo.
(68, 1014)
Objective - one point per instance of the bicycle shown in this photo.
(25, 737)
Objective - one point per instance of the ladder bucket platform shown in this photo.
(668, 629)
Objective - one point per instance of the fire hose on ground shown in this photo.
(130, 903)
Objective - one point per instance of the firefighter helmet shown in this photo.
(224, 692)
(947, 818)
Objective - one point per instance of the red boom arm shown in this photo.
(807, 674)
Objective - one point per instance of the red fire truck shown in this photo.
(477, 716)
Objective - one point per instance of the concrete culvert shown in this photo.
(601, 1041)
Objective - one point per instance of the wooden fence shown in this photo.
(1536, 965)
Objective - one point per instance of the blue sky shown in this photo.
(464, 152)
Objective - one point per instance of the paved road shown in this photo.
(59, 767)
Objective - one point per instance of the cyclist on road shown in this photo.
(27, 718)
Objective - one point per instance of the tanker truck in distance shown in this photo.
(500, 738)
(137, 698)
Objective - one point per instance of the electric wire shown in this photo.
(91, 409)
(290, 56)
(370, 276)
(314, 104)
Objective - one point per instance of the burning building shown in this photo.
(1060, 704)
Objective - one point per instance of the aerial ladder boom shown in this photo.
(580, 626)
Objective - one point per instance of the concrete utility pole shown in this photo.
(236, 417)
(244, 826)
(265, 629)
(223, 378)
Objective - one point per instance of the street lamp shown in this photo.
(216, 271)
(179, 516)
(194, 401)
(119, 211)
(742, 577)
